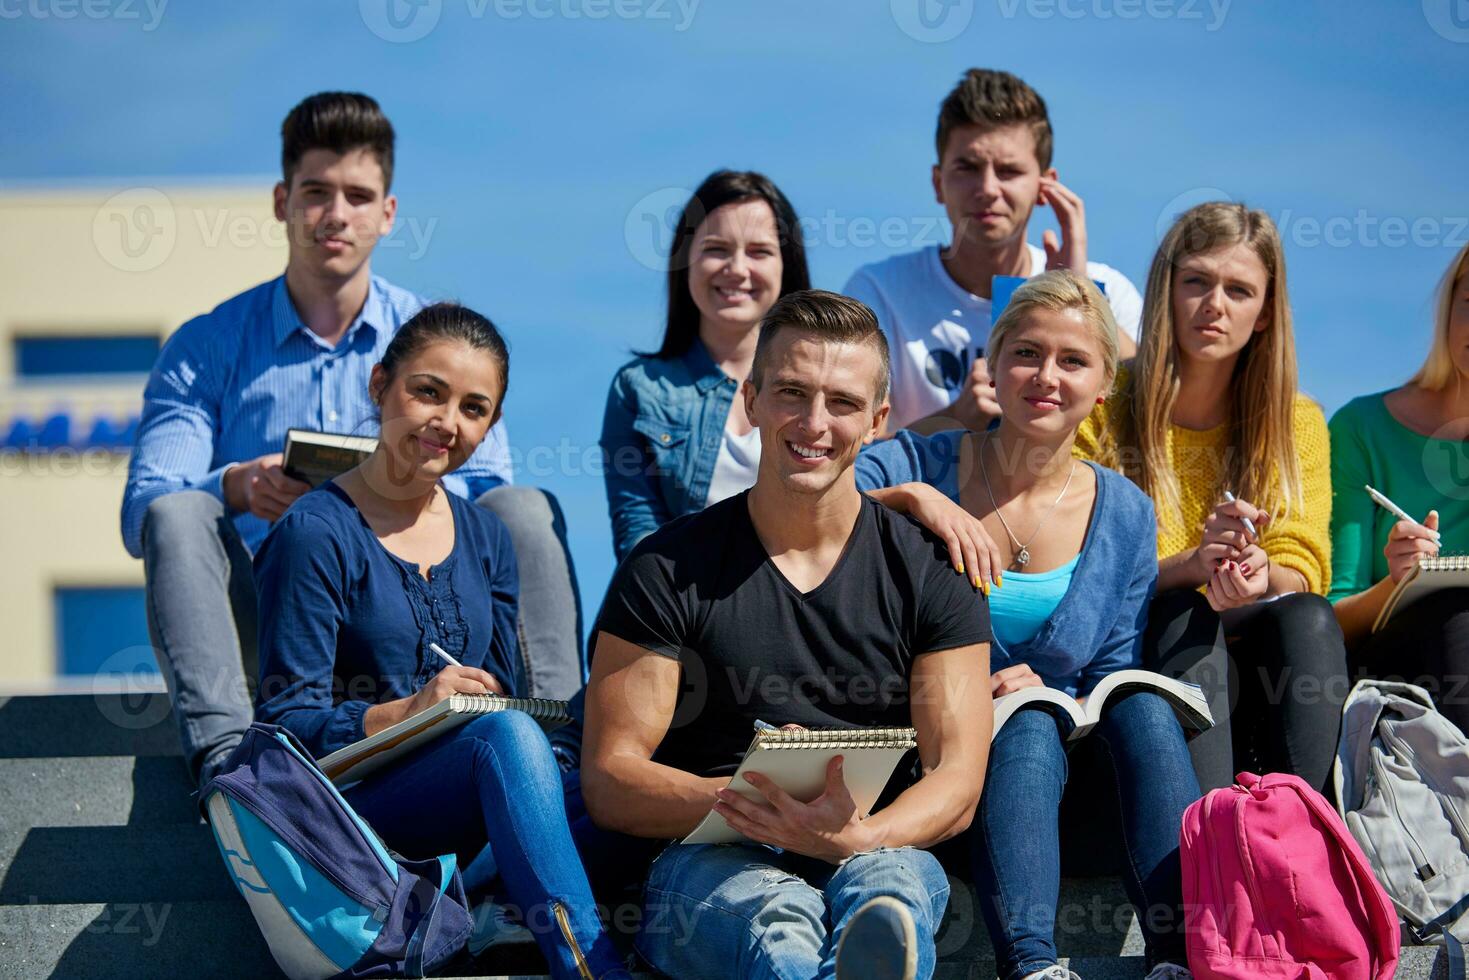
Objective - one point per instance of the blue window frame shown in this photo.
(107, 355)
(102, 631)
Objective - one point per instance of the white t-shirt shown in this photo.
(736, 467)
(936, 328)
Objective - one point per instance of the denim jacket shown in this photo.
(660, 439)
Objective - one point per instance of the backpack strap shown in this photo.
(1453, 927)
(427, 892)
(1454, 950)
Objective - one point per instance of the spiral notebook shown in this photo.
(1431, 574)
(362, 758)
(796, 761)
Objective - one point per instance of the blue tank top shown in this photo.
(1021, 607)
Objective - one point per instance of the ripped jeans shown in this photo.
(747, 910)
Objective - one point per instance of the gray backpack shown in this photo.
(1402, 785)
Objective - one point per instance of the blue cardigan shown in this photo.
(1098, 626)
(345, 624)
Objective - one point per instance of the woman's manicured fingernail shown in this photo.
(1245, 569)
(961, 568)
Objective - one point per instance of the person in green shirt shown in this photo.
(1411, 444)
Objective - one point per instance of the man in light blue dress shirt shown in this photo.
(205, 479)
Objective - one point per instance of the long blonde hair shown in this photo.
(1260, 464)
(1438, 370)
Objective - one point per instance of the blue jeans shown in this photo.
(493, 784)
(745, 910)
(1016, 845)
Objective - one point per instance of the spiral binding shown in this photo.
(839, 738)
(1445, 563)
(538, 708)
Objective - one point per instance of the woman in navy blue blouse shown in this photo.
(361, 575)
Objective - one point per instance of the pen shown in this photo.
(1249, 524)
(764, 726)
(1402, 515)
(444, 655)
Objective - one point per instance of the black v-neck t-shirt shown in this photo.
(702, 590)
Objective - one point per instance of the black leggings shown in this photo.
(1275, 675)
(1427, 644)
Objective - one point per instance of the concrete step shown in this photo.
(87, 725)
(105, 868)
(101, 791)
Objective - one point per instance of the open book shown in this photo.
(361, 758)
(1187, 700)
(796, 761)
(1429, 575)
(316, 457)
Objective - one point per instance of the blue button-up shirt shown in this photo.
(229, 384)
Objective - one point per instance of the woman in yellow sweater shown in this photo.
(1209, 424)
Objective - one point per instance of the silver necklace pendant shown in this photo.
(1022, 557)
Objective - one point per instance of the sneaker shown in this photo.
(1169, 971)
(880, 942)
(495, 926)
(1053, 972)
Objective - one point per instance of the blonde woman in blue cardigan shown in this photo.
(1067, 551)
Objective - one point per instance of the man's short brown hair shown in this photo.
(829, 317)
(340, 122)
(993, 99)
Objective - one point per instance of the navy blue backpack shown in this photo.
(329, 898)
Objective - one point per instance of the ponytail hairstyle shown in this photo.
(447, 321)
(1261, 463)
(1059, 290)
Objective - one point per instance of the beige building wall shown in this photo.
(124, 259)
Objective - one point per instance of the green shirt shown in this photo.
(1419, 474)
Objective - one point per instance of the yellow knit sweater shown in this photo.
(1301, 541)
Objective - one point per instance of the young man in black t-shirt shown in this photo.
(800, 602)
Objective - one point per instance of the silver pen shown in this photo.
(1249, 524)
(1401, 514)
(444, 655)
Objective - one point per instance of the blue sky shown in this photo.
(541, 140)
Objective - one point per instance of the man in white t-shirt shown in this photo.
(994, 167)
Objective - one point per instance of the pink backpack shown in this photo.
(1274, 886)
